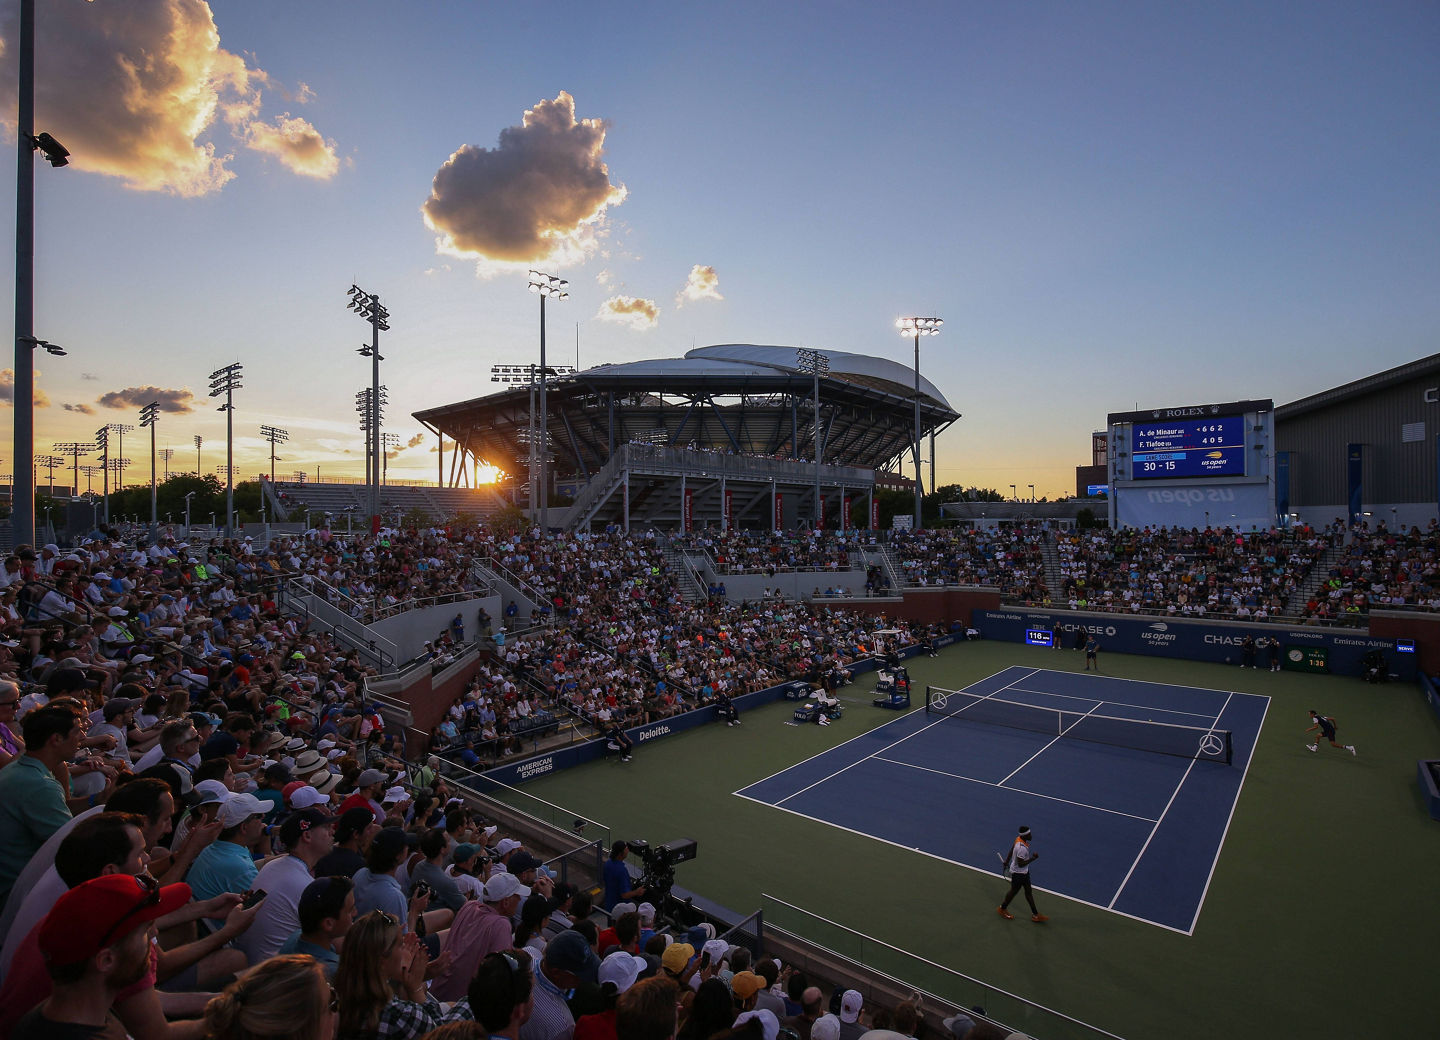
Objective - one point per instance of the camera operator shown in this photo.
(616, 876)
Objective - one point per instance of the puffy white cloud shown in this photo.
(297, 144)
(539, 196)
(633, 311)
(134, 90)
(178, 401)
(703, 284)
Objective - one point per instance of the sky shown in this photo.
(1111, 205)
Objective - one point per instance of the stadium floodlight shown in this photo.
(52, 463)
(226, 381)
(367, 306)
(274, 435)
(74, 449)
(546, 285)
(817, 364)
(918, 327)
(148, 414)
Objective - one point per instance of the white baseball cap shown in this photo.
(621, 969)
(306, 797)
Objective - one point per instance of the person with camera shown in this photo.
(482, 927)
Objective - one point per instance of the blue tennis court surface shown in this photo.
(1134, 832)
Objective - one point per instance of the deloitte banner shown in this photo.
(1301, 648)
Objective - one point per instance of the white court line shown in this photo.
(1057, 736)
(887, 747)
(1234, 803)
(957, 863)
(1173, 795)
(1015, 790)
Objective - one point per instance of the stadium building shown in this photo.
(726, 436)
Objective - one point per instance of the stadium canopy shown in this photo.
(740, 398)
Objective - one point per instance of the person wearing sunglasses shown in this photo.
(381, 982)
(96, 943)
(285, 997)
(12, 744)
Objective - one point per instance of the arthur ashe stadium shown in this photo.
(728, 427)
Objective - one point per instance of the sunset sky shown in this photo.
(1112, 205)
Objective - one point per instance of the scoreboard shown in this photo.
(1207, 447)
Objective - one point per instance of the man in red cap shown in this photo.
(95, 941)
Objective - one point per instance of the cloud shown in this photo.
(631, 311)
(135, 90)
(539, 196)
(703, 284)
(7, 391)
(179, 401)
(297, 145)
(89, 377)
(413, 442)
(83, 409)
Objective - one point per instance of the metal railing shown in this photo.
(913, 971)
(557, 819)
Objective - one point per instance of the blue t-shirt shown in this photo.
(222, 866)
(379, 892)
(617, 882)
(328, 958)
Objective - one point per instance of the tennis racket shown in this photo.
(1004, 867)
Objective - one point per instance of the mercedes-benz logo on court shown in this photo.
(1212, 744)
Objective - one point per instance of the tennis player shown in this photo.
(1092, 647)
(1018, 863)
(1326, 726)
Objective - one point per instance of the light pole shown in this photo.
(367, 305)
(148, 415)
(199, 440)
(1014, 495)
(74, 449)
(22, 485)
(166, 454)
(546, 285)
(918, 327)
(51, 463)
(89, 472)
(368, 410)
(1032, 491)
(275, 436)
(387, 441)
(188, 496)
(817, 364)
(226, 381)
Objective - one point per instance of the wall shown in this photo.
(410, 629)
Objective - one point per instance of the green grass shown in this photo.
(1320, 918)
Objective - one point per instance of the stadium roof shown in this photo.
(742, 398)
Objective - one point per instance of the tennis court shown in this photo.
(1129, 786)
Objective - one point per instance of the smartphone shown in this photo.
(251, 898)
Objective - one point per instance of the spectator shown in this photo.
(226, 864)
(851, 1003)
(500, 994)
(32, 802)
(381, 983)
(711, 1012)
(354, 831)
(308, 834)
(96, 942)
(482, 927)
(286, 997)
(646, 1011)
(327, 910)
(568, 962)
(616, 878)
(431, 871)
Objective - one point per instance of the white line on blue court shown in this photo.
(1053, 739)
(1173, 795)
(1014, 790)
(1123, 704)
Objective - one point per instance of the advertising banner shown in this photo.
(845, 512)
(727, 506)
(874, 513)
(779, 510)
(1355, 479)
(688, 512)
(1341, 651)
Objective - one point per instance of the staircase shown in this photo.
(1318, 576)
(688, 579)
(1053, 578)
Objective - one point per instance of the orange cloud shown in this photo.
(630, 310)
(178, 401)
(538, 196)
(703, 284)
(135, 88)
(297, 144)
(7, 391)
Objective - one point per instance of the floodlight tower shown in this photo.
(226, 381)
(51, 463)
(367, 305)
(817, 364)
(166, 454)
(368, 411)
(74, 449)
(387, 441)
(199, 440)
(546, 285)
(90, 472)
(275, 436)
(918, 327)
(148, 414)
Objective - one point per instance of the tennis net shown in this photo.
(1164, 738)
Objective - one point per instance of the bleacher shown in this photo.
(338, 499)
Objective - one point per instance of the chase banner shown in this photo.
(1341, 651)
